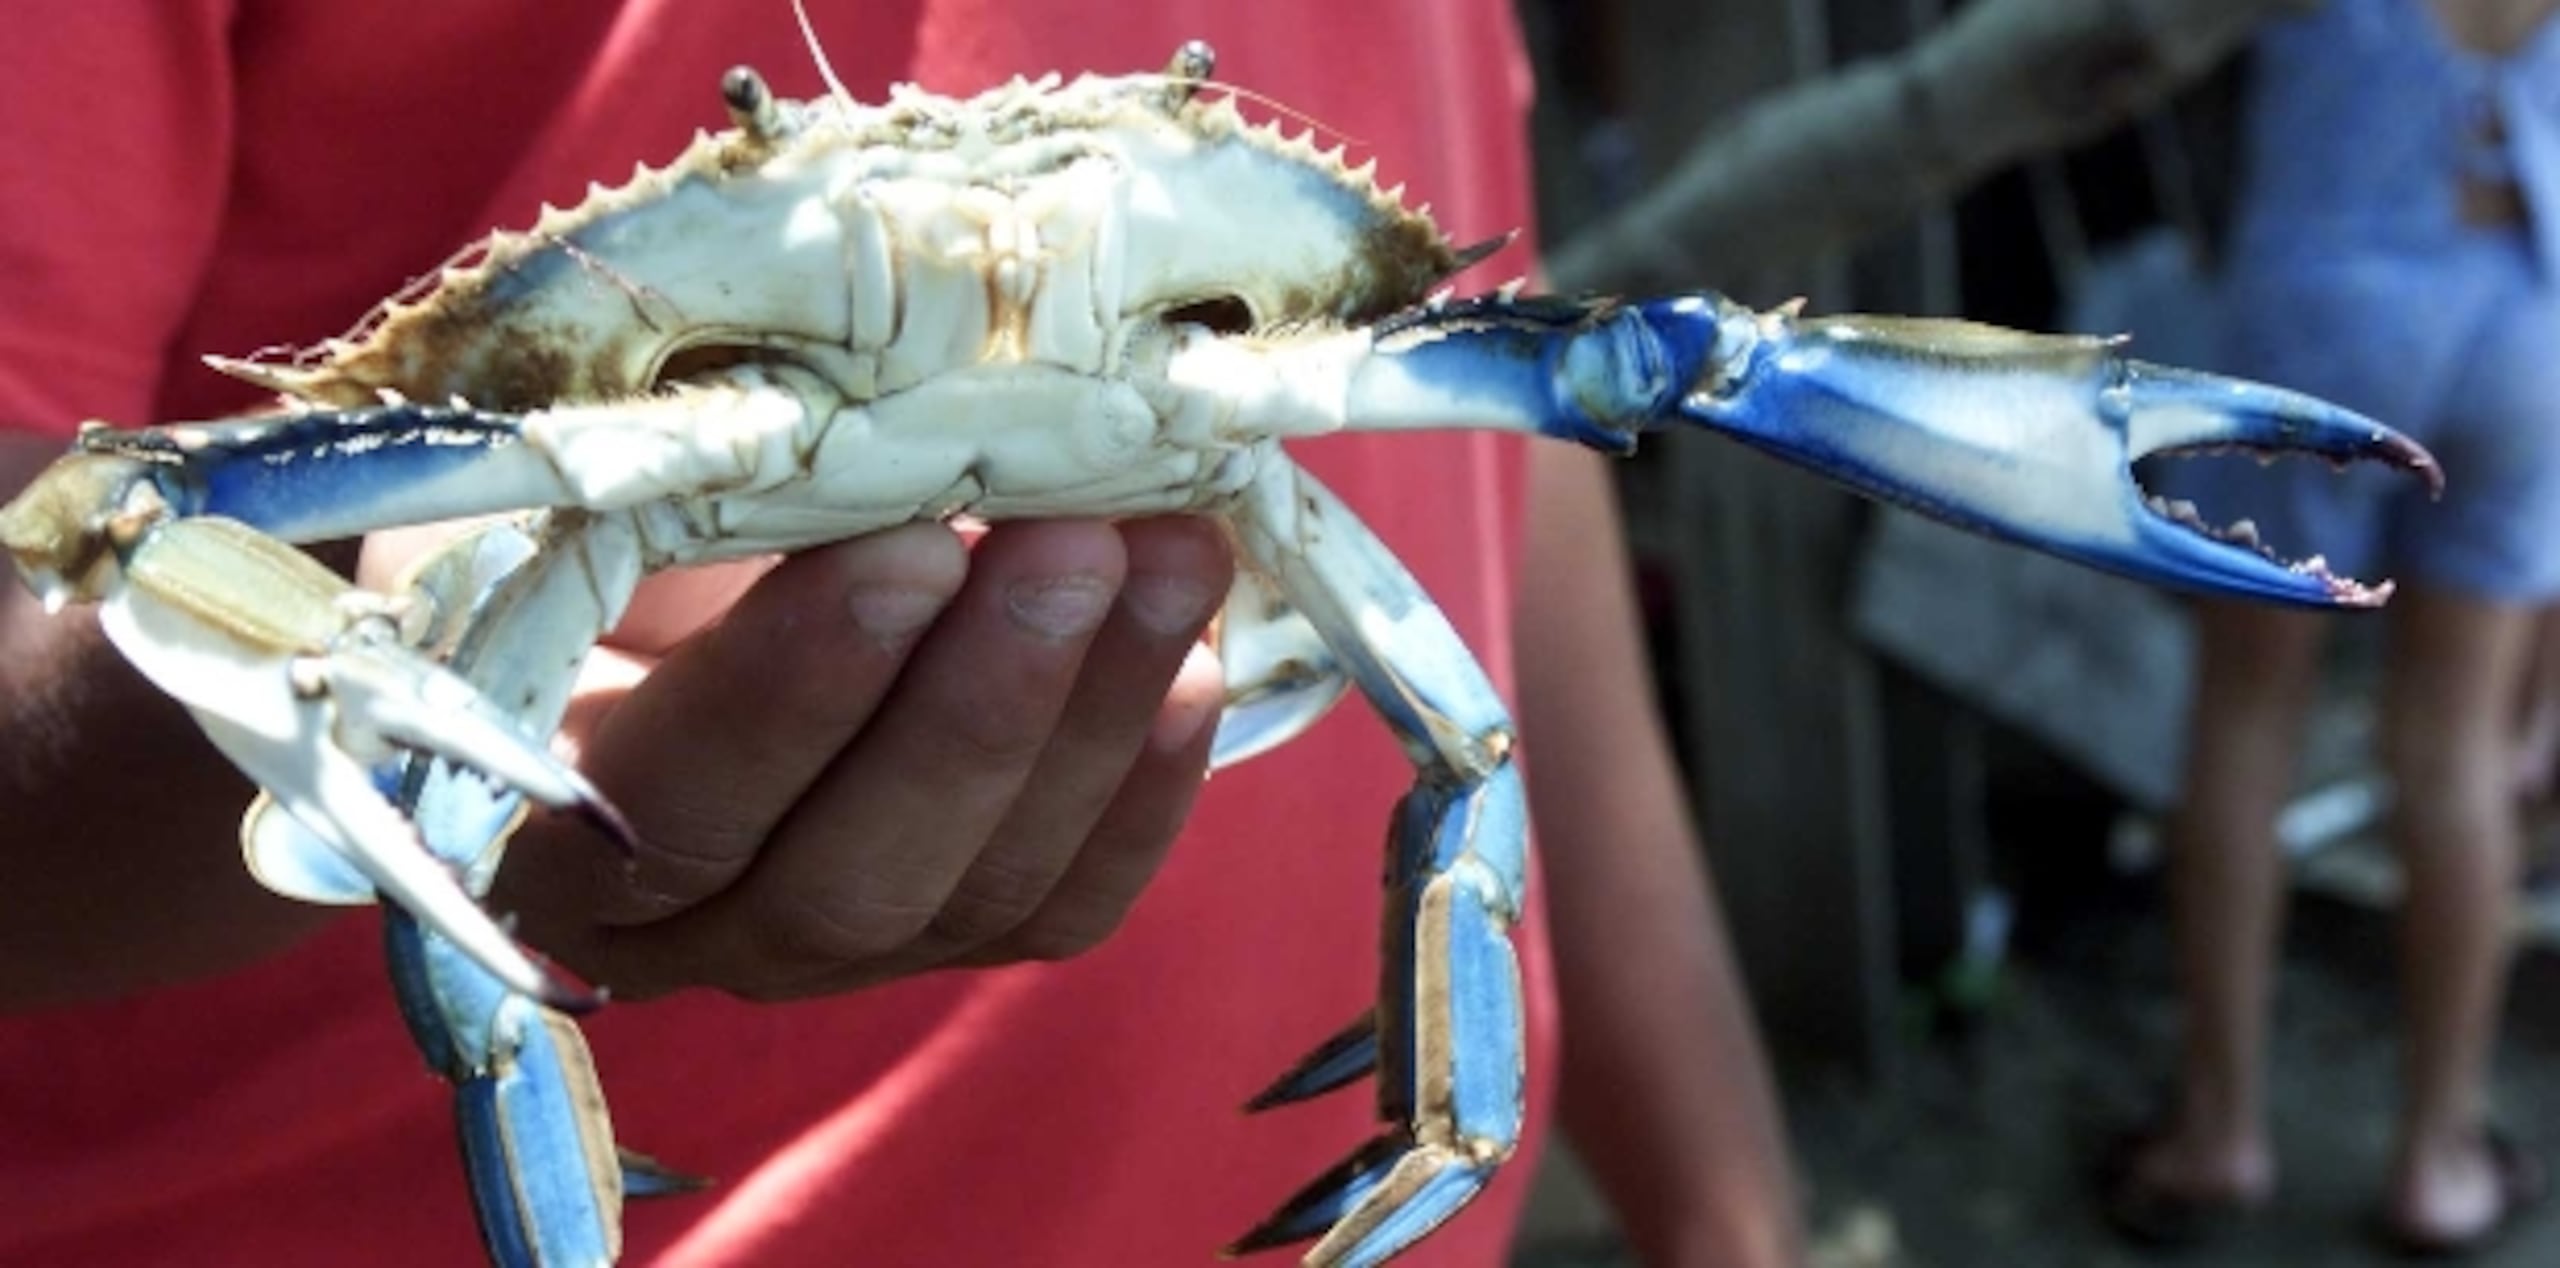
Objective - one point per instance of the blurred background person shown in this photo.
(2394, 250)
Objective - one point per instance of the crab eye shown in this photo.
(1221, 314)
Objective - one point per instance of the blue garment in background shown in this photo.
(2352, 275)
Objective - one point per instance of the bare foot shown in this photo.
(2231, 1168)
(2177, 1187)
(2449, 1195)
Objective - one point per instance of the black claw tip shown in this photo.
(1270, 1098)
(607, 818)
(1296, 1220)
(1347, 1057)
(561, 995)
(644, 1177)
(2409, 455)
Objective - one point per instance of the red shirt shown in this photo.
(211, 176)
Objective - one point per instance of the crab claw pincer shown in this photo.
(302, 681)
(2030, 438)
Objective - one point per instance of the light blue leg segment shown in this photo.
(538, 1154)
(547, 1183)
(1448, 1033)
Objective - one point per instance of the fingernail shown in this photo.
(1059, 607)
(1180, 723)
(893, 611)
(1197, 697)
(902, 579)
(1168, 605)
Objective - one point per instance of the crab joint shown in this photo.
(80, 515)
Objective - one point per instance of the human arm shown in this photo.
(117, 863)
(1664, 1087)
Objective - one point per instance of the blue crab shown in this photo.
(832, 318)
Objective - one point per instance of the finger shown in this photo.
(1122, 853)
(1135, 834)
(708, 754)
(860, 866)
(1179, 569)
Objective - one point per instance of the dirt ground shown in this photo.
(1976, 1150)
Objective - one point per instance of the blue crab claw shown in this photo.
(2025, 437)
(2028, 438)
(304, 682)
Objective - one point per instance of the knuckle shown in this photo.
(993, 900)
(818, 928)
(993, 739)
(660, 883)
(689, 848)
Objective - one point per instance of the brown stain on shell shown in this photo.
(448, 350)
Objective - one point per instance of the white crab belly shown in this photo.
(1001, 442)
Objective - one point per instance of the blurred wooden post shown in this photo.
(1778, 702)
(1932, 747)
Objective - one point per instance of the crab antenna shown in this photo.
(809, 33)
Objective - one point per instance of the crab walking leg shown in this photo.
(1449, 1023)
(1281, 678)
(181, 532)
(536, 1139)
(2029, 438)
(546, 1182)
(315, 691)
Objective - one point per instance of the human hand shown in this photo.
(890, 755)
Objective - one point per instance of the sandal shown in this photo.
(2153, 1218)
(2523, 1185)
